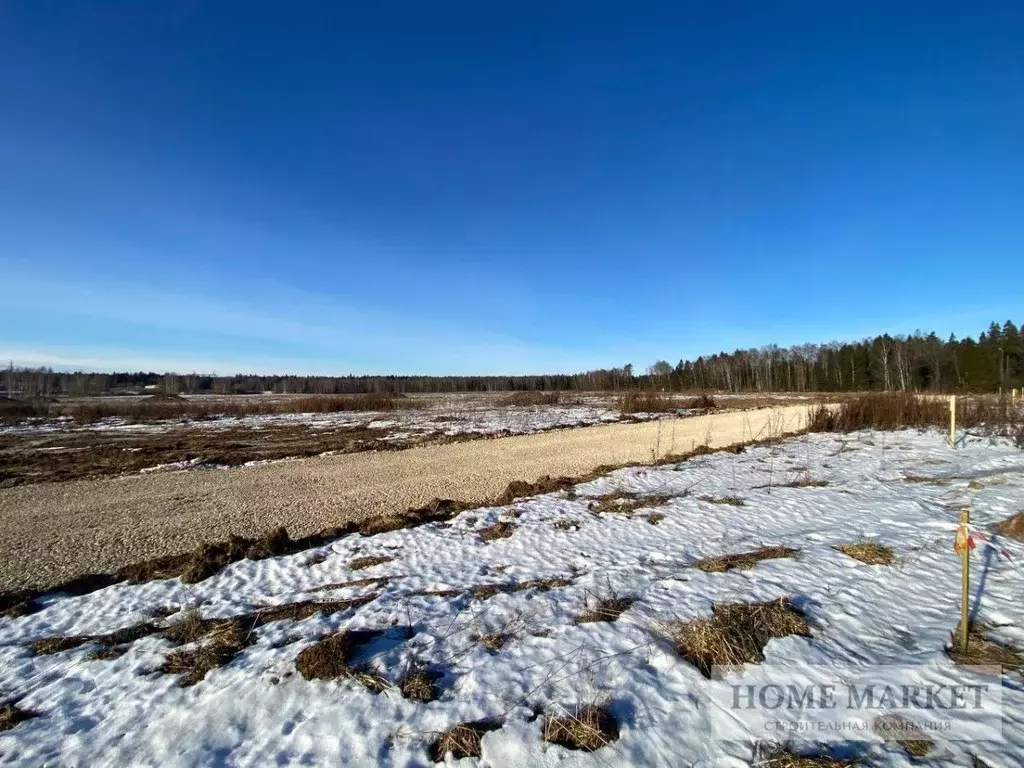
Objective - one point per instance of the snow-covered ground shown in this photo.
(257, 710)
(447, 418)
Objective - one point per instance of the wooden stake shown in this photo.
(962, 545)
(952, 421)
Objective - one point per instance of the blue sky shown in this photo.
(501, 187)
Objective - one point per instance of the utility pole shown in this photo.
(10, 381)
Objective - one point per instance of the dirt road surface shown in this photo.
(52, 532)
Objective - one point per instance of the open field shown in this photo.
(98, 437)
(51, 532)
(520, 633)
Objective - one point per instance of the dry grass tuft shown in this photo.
(218, 648)
(737, 633)
(743, 560)
(461, 741)
(371, 526)
(904, 732)
(329, 659)
(500, 530)
(531, 398)
(897, 410)
(369, 561)
(520, 489)
(804, 482)
(418, 684)
(11, 715)
(377, 581)
(494, 641)
(48, 645)
(605, 609)
(625, 502)
(984, 652)
(589, 728)
(645, 401)
(1012, 527)
(869, 552)
(565, 524)
(732, 501)
(775, 756)
(702, 403)
(107, 654)
(655, 517)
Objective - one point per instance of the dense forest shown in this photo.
(917, 362)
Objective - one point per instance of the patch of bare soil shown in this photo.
(743, 560)
(736, 633)
(869, 552)
(462, 740)
(589, 728)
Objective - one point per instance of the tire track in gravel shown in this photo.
(52, 532)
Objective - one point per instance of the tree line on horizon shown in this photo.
(918, 363)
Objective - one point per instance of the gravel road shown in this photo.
(52, 532)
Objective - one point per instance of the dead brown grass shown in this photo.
(870, 552)
(50, 645)
(500, 530)
(780, 756)
(982, 651)
(625, 502)
(27, 458)
(743, 560)
(645, 401)
(655, 517)
(377, 581)
(494, 641)
(804, 482)
(368, 561)
(1012, 527)
(330, 659)
(604, 608)
(218, 647)
(11, 715)
(462, 740)
(899, 410)
(565, 524)
(531, 398)
(107, 654)
(520, 489)
(904, 732)
(736, 633)
(589, 728)
(418, 684)
(733, 501)
(702, 402)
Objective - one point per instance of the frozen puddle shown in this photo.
(513, 618)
